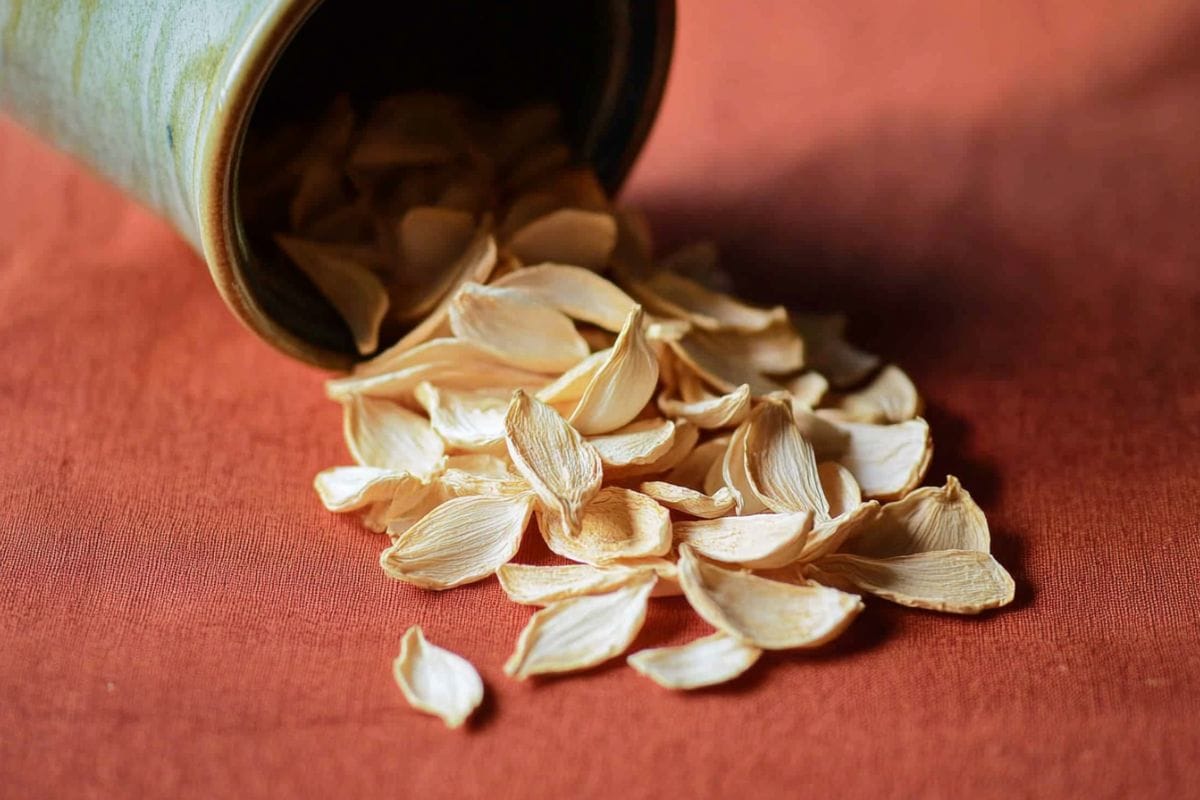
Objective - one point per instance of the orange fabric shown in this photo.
(1004, 200)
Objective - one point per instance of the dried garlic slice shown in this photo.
(889, 397)
(465, 420)
(717, 411)
(781, 468)
(955, 581)
(686, 435)
(673, 295)
(692, 471)
(690, 501)
(517, 327)
(617, 524)
(540, 586)
(350, 287)
(828, 536)
(462, 540)
(888, 461)
(563, 469)
(734, 475)
(431, 241)
(807, 389)
(622, 386)
(570, 386)
(577, 292)
(351, 488)
(718, 366)
(664, 568)
(435, 680)
(704, 662)
(759, 541)
(481, 465)
(380, 433)
(763, 613)
(641, 442)
(829, 353)
(945, 518)
(567, 236)
(581, 632)
(839, 487)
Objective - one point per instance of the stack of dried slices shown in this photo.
(664, 437)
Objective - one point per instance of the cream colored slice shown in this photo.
(955, 581)
(579, 293)
(344, 489)
(718, 411)
(350, 287)
(776, 350)
(517, 327)
(673, 295)
(686, 435)
(617, 524)
(888, 461)
(567, 236)
(734, 474)
(781, 468)
(839, 487)
(563, 469)
(829, 441)
(482, 465)
(540, 586)
(458, 482)
(463, 540)
(622, 386)
(465, 420)
(690, 501)
(463, 375)
(927, 519)
(570, 386)
(704, 662)
(581, 632)
(763, 613)
(828, 536)
(759, 541)
(435, 680)
(717, 365)
(807, 389)
(641, 442)
(691, 471)
(380, 433)
(842, 363)
(889, 397)
(664, 568)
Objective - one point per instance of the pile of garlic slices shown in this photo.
(662, 437)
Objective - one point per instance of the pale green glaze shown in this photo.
(154, 95)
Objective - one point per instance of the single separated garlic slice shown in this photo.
(690, 501)
(759, 541)
(767, 614)
(567, 236)
(581, 632)
(351, 488)
(540, 586)
(704, 662)
(781, 468)
(955, 581)
(672, 295)
(462, 540)
(641, 442)
(944, 518)
(465, 420)
(888, 461)
(436, 681)
(577, 292)
(714, 411)
(563, 469)
(380, 433)
(889, 397)
(622, 386)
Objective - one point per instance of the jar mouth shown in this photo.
(604, 63)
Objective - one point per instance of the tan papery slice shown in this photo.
(344, 489)
(465, 420)
(577, 292)
(581, 632)
(839, 487)
(431, 241)
(686, 436)
(464, 539)
(781, 468)
(540, 586)
(690, 501)
(708, 661)
(718, 366)
(567, 236)
(766, 614)
(622, 386)
(563, 469)
(380, 433)
(517, 327)
(692, 471)
(955, 581)
(350, 287)
(673, 295)
(888, 461)
(617, 524)
(641, 442)
(759, 541)
(828, 352)
(889, 397)
(435, 680)
(942, 518)
(718, 411)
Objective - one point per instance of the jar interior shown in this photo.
(600, 62)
